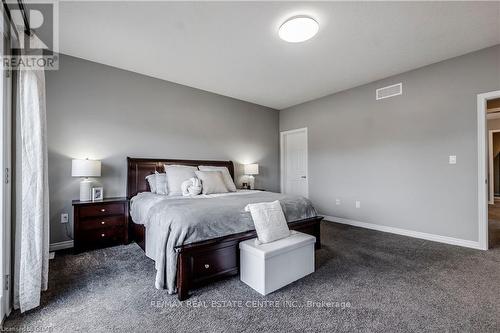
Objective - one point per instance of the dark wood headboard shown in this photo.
(139, 168)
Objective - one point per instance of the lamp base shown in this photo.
(251, 182)
(85, 189)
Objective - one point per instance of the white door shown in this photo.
(294, 179)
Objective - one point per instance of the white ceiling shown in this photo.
(233, 49)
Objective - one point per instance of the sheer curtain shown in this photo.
(32, 212)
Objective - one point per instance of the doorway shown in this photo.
(493, 160)
(294, 162)
(488, 112)
(493, 125)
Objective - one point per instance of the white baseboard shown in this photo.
(61, 245)
(409, 233)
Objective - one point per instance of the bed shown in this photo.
(194, 241)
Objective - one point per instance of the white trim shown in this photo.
(396, 94)
(491, 176)
(5, 188)
(282, 157)
(61, 245)
(482, 174)
(408, 233)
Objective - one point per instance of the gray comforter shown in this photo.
(177, 221)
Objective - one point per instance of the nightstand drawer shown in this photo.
(102, 222)
(97, 237)
(102, 210)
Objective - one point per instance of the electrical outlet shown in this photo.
(337, 201)
(452, 159)
(358, 204)
(64, 218)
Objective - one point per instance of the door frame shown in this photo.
(483, 165)
(491, 175)
(282, 157)
(3, 220)
(5, 182)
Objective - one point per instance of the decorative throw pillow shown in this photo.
(161, 183)
(228, 180)
(211, 182)
(176, 175)
(158, 183)
(152, 182)
(269, 220)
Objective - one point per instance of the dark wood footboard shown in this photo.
(203, 262)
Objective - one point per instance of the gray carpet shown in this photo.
(375, 282)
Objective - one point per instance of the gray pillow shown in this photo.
(152, 182)
(176, 175)
(212, 182)
(158, 183)
(225, 175)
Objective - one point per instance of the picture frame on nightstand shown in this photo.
(97, 194)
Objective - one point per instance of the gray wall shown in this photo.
(101, 112)
(392, 154)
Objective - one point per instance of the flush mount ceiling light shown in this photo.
(298, 29)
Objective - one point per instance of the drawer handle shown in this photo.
(207, 266)
(102, 235)
(102, 222)
(103, 209)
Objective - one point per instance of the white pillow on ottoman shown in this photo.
(176, 175)
(269, 220)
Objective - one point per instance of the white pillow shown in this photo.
(176, 175)
(158, 183)
(269, 220)
(161, 183)
(225, 175)
(211, 182)
(152, 182)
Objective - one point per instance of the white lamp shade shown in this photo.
(251, 169)
(85, 168)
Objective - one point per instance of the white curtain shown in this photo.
(32, 215)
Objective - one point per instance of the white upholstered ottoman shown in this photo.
(269, 267)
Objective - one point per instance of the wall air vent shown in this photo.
(389, 91)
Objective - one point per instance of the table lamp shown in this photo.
(85, 169)
(251, 170)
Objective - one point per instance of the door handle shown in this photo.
(304, 177)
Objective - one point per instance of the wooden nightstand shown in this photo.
(100, 223)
